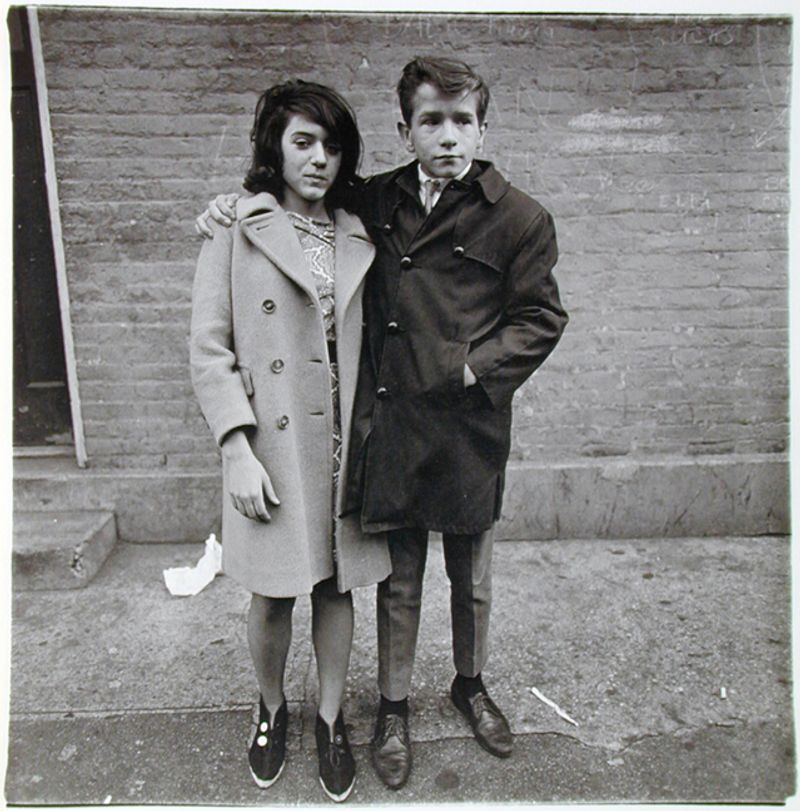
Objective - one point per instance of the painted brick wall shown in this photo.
(660, 146)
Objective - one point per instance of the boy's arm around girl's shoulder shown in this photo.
(216, 377)
(366, 193)
(533, 317)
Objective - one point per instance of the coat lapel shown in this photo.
(267, 226)
(354, 255)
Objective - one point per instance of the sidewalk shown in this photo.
(124, 694)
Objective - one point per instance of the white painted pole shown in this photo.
(51, 183)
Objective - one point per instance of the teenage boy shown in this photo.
(461, 307)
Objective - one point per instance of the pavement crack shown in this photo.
(69, 715)
(683, 730)
(632, 741)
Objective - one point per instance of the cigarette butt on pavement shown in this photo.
(559, 711)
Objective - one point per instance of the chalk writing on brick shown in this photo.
(685, 202)
(703, 35)
(660, 146)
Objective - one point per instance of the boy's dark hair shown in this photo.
(323, 106)
(452, 76)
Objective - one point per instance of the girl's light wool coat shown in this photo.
(259, 360)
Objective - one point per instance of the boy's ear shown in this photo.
(482, 130)
(404, 131)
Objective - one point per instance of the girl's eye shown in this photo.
(301, 143)
(333, 149)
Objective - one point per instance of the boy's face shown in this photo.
(444, 132)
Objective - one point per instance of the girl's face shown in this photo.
(311, 162)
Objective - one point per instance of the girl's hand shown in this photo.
(246, 478)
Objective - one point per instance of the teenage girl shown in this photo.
(275, 342)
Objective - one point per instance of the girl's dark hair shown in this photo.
(451, 76)
(319, 104)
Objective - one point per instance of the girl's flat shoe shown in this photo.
(337, 768)
(268, 750)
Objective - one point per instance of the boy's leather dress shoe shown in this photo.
(391, 750)
(488, 724)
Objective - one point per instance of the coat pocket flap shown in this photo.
(479, 242)
(247, 380)
(482, 250)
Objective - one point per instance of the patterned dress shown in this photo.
(318, 242)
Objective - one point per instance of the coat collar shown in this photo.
(490, 181)
(354, 255)
(265, 223)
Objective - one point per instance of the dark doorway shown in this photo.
(41, 397)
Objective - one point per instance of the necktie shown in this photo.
(433, 187)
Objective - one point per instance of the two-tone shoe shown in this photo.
(268, 751)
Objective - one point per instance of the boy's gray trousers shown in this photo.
(468, 562)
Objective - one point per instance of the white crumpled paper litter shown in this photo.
(186, 581)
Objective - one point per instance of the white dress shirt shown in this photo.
(445, 180)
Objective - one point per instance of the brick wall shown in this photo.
(660, 146)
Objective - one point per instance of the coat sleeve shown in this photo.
(216, 378)
(532, 320)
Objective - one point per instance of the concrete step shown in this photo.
(60, 549)
(150, 506)
(612, 497)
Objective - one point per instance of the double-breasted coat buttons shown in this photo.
(458, 251)
(393, 328)
(277, 366)
(268, 306)
(382, 393)
(406, 262)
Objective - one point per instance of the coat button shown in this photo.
(387, 228)
(406, 262)
(277, 366)
(382, 393)
(393, 328)
(458, 251)
(283, 422)
(268, 306)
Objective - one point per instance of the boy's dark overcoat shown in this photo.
(472, 283)
(259, 360)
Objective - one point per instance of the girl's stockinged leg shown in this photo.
(269, 634)
(332, 630)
